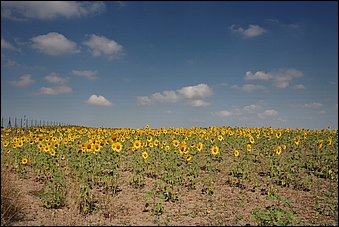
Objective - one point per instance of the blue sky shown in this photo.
(171, 64)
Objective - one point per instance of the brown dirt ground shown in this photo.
(228, 205)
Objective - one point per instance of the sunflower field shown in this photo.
(291, 173)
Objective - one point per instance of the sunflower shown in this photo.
(88, 146)
(145, 155)
(137, 144)
(320, 144)
(19, 144)
(220, 138)
(182, 148)
(5, 143)
(56, 144)
(199, 146)
(97, 147)
(24, 161)
(175, 142)
(149, 138)
(150, 144)
(52, 151)
(329, 141)
(249, 147)
(188, 158)
(268, 137)
(156, 142)
(215, 150)
(63, 157)
(118, 147)
(236, 153)
(167, 148)
(278, 134)
(297, 140)
(278, 150)
(251, 139)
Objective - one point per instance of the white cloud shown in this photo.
(312, 105)
(49, 9)
(55, 90)
(143, 100)
(322, 112)
(251, 31)
(252, 108)
(54, 78)
(299, 86)
(189, 92)
(280, 77)
(267, 113)
(168, 96)
(98, 101)
(198, 103)
(223, 113)
(86, 73)
(249, 87)
(25, 80)
(101, 45)
(260, 75)
(7, 45)
(54, 44)
(198, 91)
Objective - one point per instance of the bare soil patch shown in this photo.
(229, 204)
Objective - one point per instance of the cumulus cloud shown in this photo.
(86, 73)
(252, 108)
(251, 31)
(25, 80)
(299, 86)
(249, 87)
(7, 45)
(312, 105)
(223, 113)
(23, 10)
(54, 44)
(55, 90)
(267, 113)
(100, 45)
(54, 78)
(235, 110)
(281, 78)
(199, 91)
(98, 101)
(167, 96)
(260, 75)
(198, 103)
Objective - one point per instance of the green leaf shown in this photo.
(161, 195)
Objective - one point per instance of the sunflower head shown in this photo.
(145, 155)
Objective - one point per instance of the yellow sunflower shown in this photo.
(199, 146)
(297, 140)
(215, 150)
(145, 155)
(137, 144)
(24, 161)
(236, 153)
(278, 150)
(249, 147)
